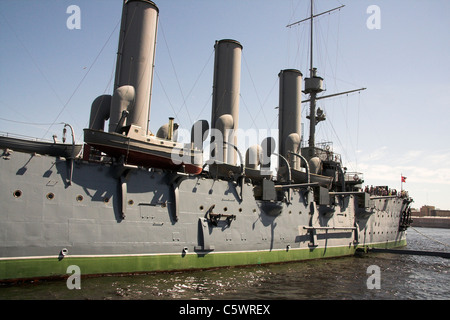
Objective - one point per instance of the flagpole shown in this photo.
(401, 179)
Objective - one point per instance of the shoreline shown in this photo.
(431, 222)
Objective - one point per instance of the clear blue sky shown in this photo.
(399, 125)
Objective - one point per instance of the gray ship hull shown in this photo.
(131, 209)
(119, 219)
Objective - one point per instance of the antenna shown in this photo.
(314, 16)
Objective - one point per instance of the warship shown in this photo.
(129, 201)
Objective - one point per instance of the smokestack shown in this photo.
(135, 61)
(226, 90)
(289, 120)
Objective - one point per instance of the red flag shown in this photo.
(403, 179)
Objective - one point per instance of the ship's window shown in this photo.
(130, 202)
(50, 196)
(106, 200)
(17, 194)
(225, 209)
(79, 198)
(201, 208)
(240, 209)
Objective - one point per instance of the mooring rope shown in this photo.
(430, 237)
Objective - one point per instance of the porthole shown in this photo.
(50, 196)
(17, 194)
(225, 209)
(79, 198)
(130, 202)
(240, 209)
(106, 200)
(201, 208)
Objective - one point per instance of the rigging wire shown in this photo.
(176, 75)
(325, 39)
(248, 110)
(185, 98)
(357, 133)
(270, 92)
(256, 91)
(208, 102)
(30, 123)
(176, 113)
(337, 44)
(296, 36)
(64, 105)
(339, 140)
(82, 80)
(301, 56)
(351, 143)
(198, 78)
(165, 93)
(32, 59)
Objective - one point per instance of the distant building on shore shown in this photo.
(430, 211)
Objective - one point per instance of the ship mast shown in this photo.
(313, 93)
(311, 40)
(313, 84)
